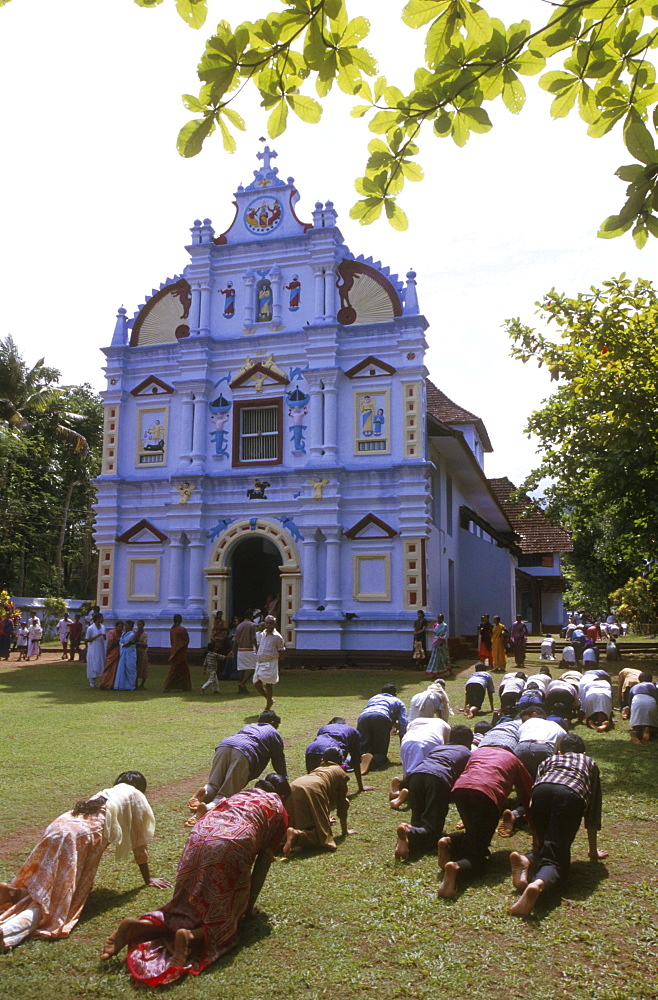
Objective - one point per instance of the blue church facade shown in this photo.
(271, 438)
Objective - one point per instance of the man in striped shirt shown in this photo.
(567, 790)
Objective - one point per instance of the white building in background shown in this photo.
(271, 437)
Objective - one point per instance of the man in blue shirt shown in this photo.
(346, 740)
(238, 760)
(383, 715)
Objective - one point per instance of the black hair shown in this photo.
(337, 721)
(134, 778)
(389, 689)
(178, 619)
(274, 783)
(545, 670)
(210, 647)
(572, 743)
(482, 727)
(89, 807)
(519, 673)
(269, 718)
(461, 736)
(560, 709)
(527, 711)
(645, 676)
(332, 755)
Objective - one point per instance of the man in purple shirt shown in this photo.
(238, 760)
(344, 738)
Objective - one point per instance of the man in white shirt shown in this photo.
(431, 703)
(538, 739)
(270, 646)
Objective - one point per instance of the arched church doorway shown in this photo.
(255, 580)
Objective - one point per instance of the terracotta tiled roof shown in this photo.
(443, 408)
(528, 520)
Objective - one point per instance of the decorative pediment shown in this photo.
(152, 386)
(370, 367)
(260, 372)
(142, 533)
(366, 294)
(370, 526)
(165, 317)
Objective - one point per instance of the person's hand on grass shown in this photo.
(369, 788)
(599, 856)
(160, 883)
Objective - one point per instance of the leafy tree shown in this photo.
(46, 465)
(598, 432)
(637, 601)
(595, 56)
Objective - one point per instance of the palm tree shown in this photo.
(27, 394)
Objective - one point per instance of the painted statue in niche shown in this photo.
(229, 300)
(297, 410)
(220, 411)
(371, 421)
(367, 407)
(295, 289)
(258, 491)
(153, 432)
(264, 301)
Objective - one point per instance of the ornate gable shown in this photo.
(370, 367)
(152, 386)
(260, 372)
(370, 526)
(142, 533)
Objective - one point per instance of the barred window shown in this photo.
(259, 434)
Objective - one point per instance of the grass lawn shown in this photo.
(355, 924)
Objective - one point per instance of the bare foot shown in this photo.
(290, 842)
(444, 851)
(396, 785)
(127, 931)
(402, 846)
(524, 906)
(183, 942)
(646, 735)
(635, 738)
(9, 894)
(520, 865)
(400, 800)
(625, 713)
(449, 884)
(506, 825)
(366, 761)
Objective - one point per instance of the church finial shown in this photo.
(120, 335)
(411, 295)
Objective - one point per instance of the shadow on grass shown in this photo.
(252, 931)
(584, 878)
(101, 900)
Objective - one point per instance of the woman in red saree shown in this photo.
(178, 678)
(215, 887)
(112, 657)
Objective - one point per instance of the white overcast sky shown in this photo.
(96, 203)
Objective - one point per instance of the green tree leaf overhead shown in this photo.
(596, 57)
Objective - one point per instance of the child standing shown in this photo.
(21, 641)
(211, 664)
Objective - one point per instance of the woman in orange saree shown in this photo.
(178, 678)
(112, 657)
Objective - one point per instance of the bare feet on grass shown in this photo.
(506, 825)
(449, 883)
(183, 942)
(635, 738)
(524, 906)
(290, 845)
(127, 932)
(519, 865)
(443, 851)
(366, 761)
(646, 735)
(402, 846)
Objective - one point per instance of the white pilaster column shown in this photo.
(197, 584)
(319, 294)
(199, 444)
(330, 294)
(204, 309)
(275, 282)
(248, 278)
(316, 430)
(194, 308)
(187, 417)
(176, 552)
(330, 440)
(310, 574)
(332, 589)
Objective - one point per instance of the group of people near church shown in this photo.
(496, 640)
(235, 830)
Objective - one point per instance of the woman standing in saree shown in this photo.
(112, 657)
(142, 654)
(498, 638)
(178, 678)
(126, 677)
(215, 887)
(439, 663)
